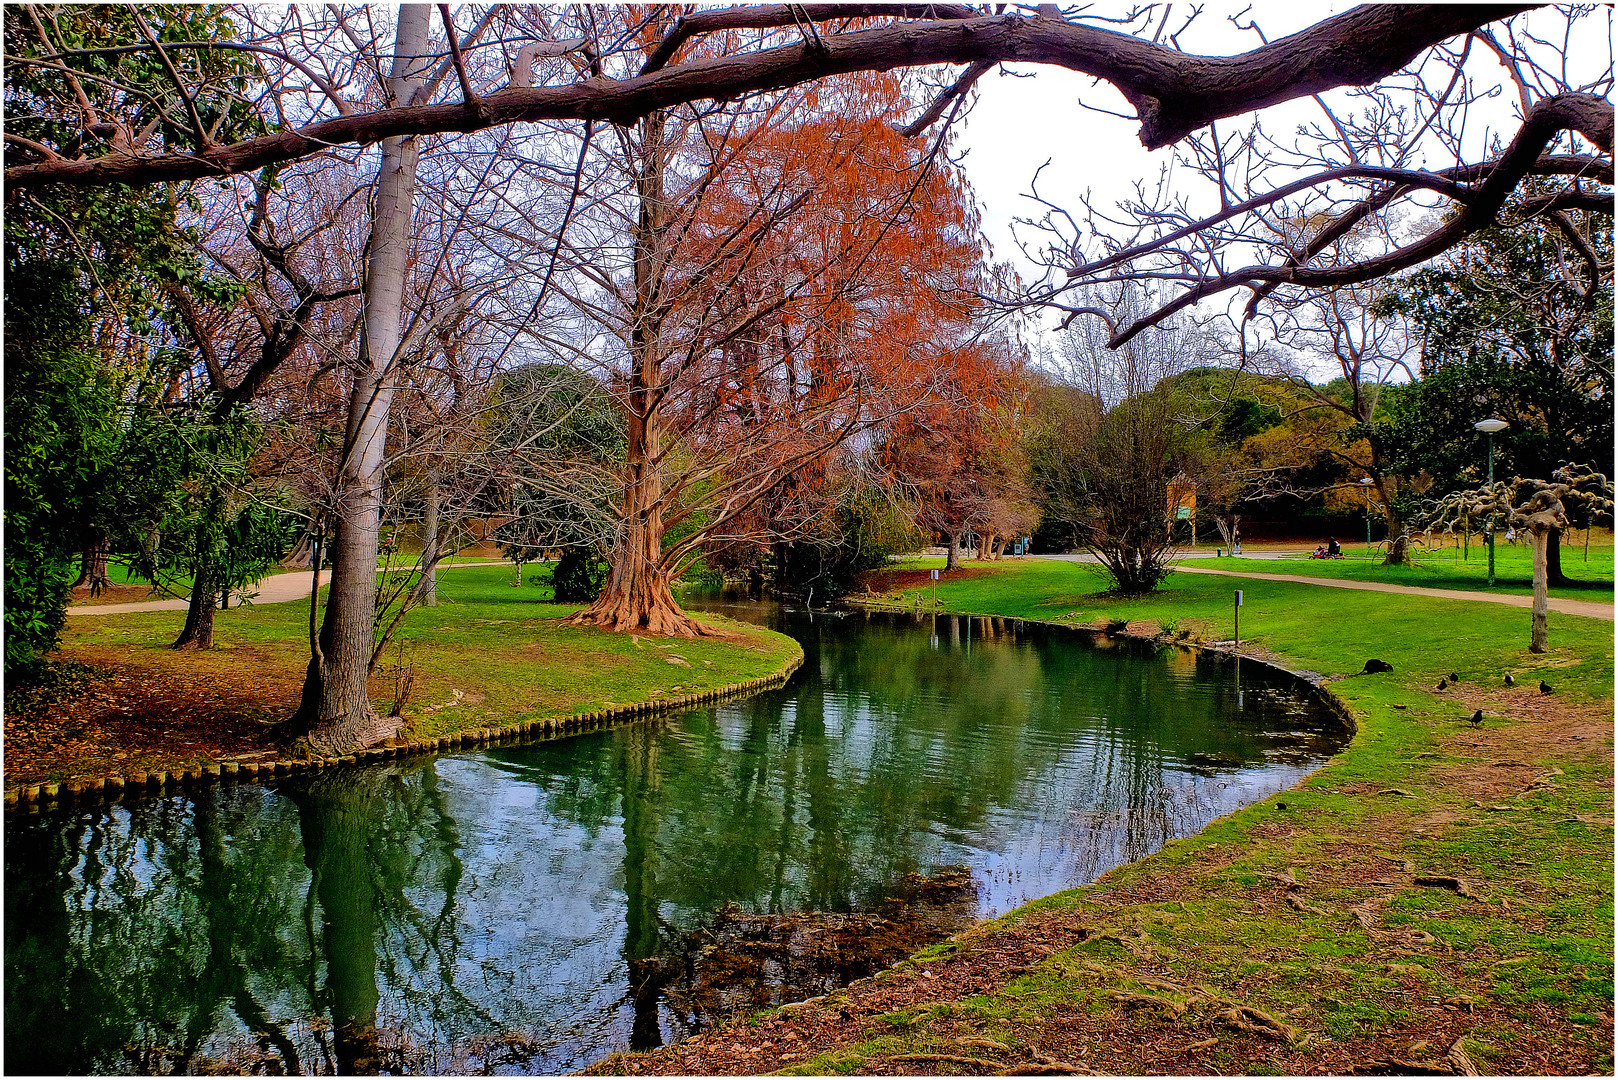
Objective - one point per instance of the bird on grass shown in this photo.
(1454, 677)
(1443, 684)
(1509, 680)
(1476, 718)
(1544, 687)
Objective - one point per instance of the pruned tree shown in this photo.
(1535, 507)
(1514, 324)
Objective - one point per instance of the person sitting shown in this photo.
(1319, 552)
(1334, 550)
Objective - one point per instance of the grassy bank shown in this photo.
(1437, 898)
(490, 655)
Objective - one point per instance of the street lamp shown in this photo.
(1366, 482)
(1489, 427)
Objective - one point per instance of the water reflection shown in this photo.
(532, 908)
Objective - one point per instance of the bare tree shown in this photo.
(1107, 458)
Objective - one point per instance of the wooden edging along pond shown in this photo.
(32, 797)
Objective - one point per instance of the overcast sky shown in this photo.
(1018, 124)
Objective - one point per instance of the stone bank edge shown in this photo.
(32, 797)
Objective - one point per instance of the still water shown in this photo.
(532, 908)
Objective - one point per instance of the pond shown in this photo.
(532, 908)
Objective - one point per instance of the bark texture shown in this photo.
(93, 563)
(1539, 638)
(427, 588)
(336, 710)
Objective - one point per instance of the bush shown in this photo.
(579, 576)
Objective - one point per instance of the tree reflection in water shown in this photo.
(531, 908)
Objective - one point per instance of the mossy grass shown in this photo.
(491, 654)
(1434, 890)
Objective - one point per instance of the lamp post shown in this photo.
(1489, 427)
(1365, 482)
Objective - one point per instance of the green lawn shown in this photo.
(1327, 630)
(1445, 569)
(489, 655)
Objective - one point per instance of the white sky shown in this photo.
(1018, 124)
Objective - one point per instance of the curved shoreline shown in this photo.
(31, 798)
(1308, 873)
(1317, 683)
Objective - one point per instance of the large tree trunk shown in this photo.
(336, 710)
(93, 562)
(1539, 638)
(199, 611)
(954, 558)
(427, 588)
(638, 596)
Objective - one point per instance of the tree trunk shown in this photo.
(954, 558)
(197, 635)
(302, 552)
(336, 711)
(985, 547)
(1398, 537)
(199, 611)
(93, 563)
(427, 588)
(1539, 637)
(638, 596)
(1553, 561)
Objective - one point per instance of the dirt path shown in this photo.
(275, 589)
(1591, 608)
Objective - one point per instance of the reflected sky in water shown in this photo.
(531, 908)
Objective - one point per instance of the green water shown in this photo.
(530, 909)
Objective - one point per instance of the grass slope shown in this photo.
(490, 655)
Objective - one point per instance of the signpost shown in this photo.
(1238, 620)
(935, 587)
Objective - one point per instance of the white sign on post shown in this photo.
(1238, 592)
(935, 575)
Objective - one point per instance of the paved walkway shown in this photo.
(1590, 608)
(275, 589)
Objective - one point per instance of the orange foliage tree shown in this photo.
(959, 459)
(799, 273)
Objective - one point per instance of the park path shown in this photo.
(275, 589)
(1593, 609)
(280, 588)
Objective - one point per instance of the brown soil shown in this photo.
(879, 581)
(115, 594)
(153, 709)
(1176, 1010)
